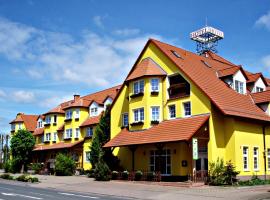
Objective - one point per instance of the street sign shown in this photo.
(195, 148)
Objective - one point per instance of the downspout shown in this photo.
(264, 152)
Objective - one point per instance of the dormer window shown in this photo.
(48, 119)
(94, 111)
(259, 89)
(239, 86)
(138, 87)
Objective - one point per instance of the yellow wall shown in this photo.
(52, 128)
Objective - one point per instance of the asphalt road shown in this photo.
(24, 192)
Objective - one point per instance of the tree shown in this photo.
(64, 165)
(21, 145)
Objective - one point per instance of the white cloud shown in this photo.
(266, 61)
(22, 96)
(126, 32)
(53, 101)
(264, 21)
(98, 20)
(2, 94)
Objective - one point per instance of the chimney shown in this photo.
(76, 97)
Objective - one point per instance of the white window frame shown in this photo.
(123, 120)
(77, 113)
(268, 159)
(68, 133)
(247, 158)
(48, 137)
(77, 132)
(151, 111)
(138, 87)
(259, 89)
(239, 86)
(69, 114)
(54, 136)
(154, 88)
(184, 109)
(88, 131)
(169, 111)
(86, 157)
(20, 126)
(257, 158)
(140, 116)
(94, 111)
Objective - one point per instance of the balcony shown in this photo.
(179, 90)
(139, 123)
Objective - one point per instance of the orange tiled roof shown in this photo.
(30, 121)
(166, 131)
(57, 110)
(147, 67)
(228, 71)
(91, 121)
(60, 145)
(226, 99)
(38, 131)
(61, 128)
(261, 97)
(254, 77)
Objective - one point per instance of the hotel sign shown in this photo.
(195, 148)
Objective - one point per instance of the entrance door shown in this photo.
(201, 166)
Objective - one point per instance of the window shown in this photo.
(77, 133)
(154, 85)
(155, 113)
(94, 111)
(245, 158)
(68, 133)
(125, 120)
(138, 87)
(54, 118)
(20, 126)
(239, 87)
(39, 124)
(256, 158)
(69, 114)
(172, 113)
(259, 89)
(268, 158)
(87, 156)
(77, 113)
(177, 55)
(160, 161)
(13, 127)
(54, 137)
(139, 115)
(48, 137)
(187, 109)
(48, 119)
(89, 132)
(179, 87)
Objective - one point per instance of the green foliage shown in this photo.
(12, 166)
(64, 165)
(138, 175)
(90, 173)
(27, 178)
(21, 145)
(115, 175)
(125, 175)
(221, 174)
(255, 180)
(36, 167)
(95, 150)
(102, 171)
(6, 176)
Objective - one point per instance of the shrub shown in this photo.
(7, 166)
(115, 175)
(6, 176)
(230, 173)
(90, 173)
(22, 178)
(36, 167)
(26, 178)
(102, 171)
(150, 176)
(125, 175)
(138, 175)
(64, 165)
(12, 166)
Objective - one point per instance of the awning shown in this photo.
(60, 145)
(181, 129)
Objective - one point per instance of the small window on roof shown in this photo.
(206, 63)
(176, 54)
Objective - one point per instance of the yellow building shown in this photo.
(23, 121)
(177, 111)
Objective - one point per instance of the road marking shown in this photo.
(19, 195)
(78, 195)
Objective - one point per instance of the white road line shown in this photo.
(78, 195)
(20, 195)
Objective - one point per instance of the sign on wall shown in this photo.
(195, 148)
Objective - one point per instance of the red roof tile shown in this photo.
(261, 97)
(57, 110)
(38, 131)
(60, 145)
(166, 131)
(228, 71)
(30, 121)
(61, 128)
(91, 121)
(147, 67)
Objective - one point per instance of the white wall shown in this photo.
(107, 102)
(95, 105)
(258, 83)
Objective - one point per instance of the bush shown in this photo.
(138, 175)
(64, 165)
(150, 176)
(90, 173)
(125, 175)
(254, 181)
(102, 171)
(12, 166)
(26, 178)
(115, 175)
(36, 167)
(7, 166)
(6, 176)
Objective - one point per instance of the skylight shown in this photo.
(177, 55)
(206, 63)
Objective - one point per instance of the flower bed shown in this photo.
(136, 176)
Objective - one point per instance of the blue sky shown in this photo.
(50, 50)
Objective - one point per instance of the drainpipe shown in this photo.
(264, 152)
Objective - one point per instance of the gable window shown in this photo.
(54, 137)
(48, 119)
(68, 133)
(39, 124)
(187, 109)
(139, 115)
(256, 158)
(77, 133)
(155, 113)
(245, 158)
(94, 111)
(268, 158)
(138, 87)
(259, 89)
(125, 120)
(172, 113)
(48, 137)
(69, 114)
(154, 85)
(89, 132)
(239, 86)
(77, 113)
